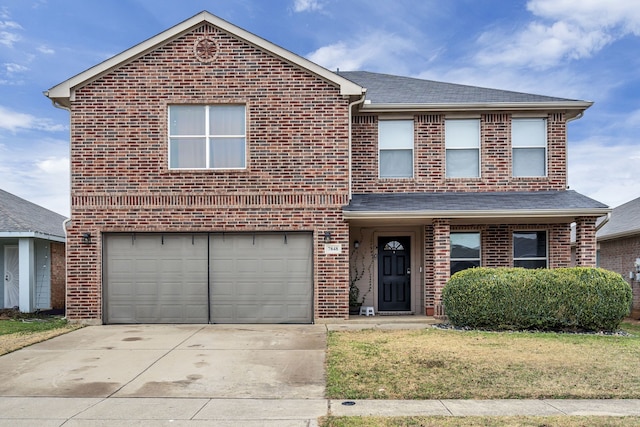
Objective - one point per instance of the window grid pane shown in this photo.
(530, 249)
(464, 251)
(529, 133)
(462, 133)
(462, 163)
(221, 131)
(529, 162)
(395, 144)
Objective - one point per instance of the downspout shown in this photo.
(68, 220)
(604, 221)
(566, 149)
(358, 101)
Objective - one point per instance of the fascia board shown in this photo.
(31, 234)
(64, 91)
(479, 214)
(484, 106)
(621, 235)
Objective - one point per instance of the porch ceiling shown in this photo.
(487, 207)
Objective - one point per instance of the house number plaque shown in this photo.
(333, 249)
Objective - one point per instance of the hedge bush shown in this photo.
(578, 298)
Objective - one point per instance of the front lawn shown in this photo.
(447, 364)
(19, 330)
(595, 421)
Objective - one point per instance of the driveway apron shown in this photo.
(172, 361)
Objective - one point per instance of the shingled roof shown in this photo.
(21, 218)
(385, 90)
(624, 221)
(531, 204)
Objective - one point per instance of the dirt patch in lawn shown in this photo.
(13, 342)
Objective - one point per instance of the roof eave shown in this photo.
(478, 214)
(31, 234)
(63, 92)
(620, 235)
(572, 107)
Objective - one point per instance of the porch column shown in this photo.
(26, 268)
(586, 241)
(441, 262)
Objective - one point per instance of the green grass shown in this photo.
(28, 325)
(444, 364)
(520, 421)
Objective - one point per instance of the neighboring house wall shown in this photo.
(429, 157)
(619, 255)
(58, 274)
(296, 175)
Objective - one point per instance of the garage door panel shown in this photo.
(259, 276)
(163, 274)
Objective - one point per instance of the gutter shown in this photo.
(358, 101)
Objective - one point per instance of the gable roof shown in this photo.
(63, 93)
(460, 205)
(21, 218)
(388, 92)
(624, 222)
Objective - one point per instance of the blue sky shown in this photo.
(579, 49)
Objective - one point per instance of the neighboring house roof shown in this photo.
(63, 93)
(389, 92)
(455, 205)
(21, 218)
(624, 222)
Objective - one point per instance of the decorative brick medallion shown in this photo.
(205, 49)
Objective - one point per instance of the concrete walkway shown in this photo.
(215, 375)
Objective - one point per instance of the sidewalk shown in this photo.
(78, 412)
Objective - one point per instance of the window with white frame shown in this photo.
(395, 144)
(464, 251)
(530, 249)
(207, 137)
(462, 143)
(529, 145)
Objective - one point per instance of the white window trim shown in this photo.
(413, 147)
(546, 247)
(546, 147)
(479, 147)
(207, 137)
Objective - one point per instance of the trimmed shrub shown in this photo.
(578, 298)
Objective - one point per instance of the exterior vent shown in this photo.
(364, 119)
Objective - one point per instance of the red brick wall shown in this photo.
(296, 177)
(58, 273)
(496, 251)
(429, 157)
(619, 255)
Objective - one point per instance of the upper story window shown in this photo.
(465, 251)
(529, 142)
(530, 249)
(395, 142)
(207, 137)
(462, 143)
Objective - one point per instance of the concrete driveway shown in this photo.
(220, 369)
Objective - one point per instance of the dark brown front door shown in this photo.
(394, 273)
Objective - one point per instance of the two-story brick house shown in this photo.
(216, 177)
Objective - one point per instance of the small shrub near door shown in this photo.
(579, 298)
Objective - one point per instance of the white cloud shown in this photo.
(562, 29)
(8, 39)
(607, 173)
(10, 25)
(14, 121)
(14, 68)
(46, 50)
(375, 51)
(306, 5)
(38, 172)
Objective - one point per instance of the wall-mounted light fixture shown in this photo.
(86, 238)
(356, 244)
(327, 237)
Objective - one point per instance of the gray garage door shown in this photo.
(200, 278)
